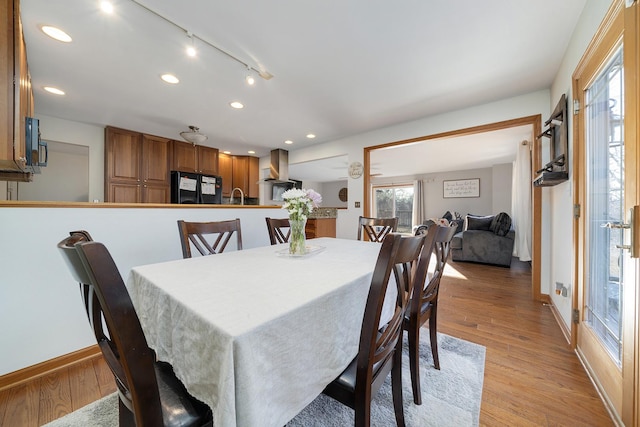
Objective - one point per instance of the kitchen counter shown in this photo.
(324, 213)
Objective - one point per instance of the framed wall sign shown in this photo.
(461, 188)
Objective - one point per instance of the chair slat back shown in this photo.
(123, 344)
(279, 230)
(442, 236)
(208, 237)
(376, 229)
(398, 255)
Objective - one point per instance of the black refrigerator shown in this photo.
(195, 188)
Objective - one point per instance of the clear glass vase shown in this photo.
(297, 240)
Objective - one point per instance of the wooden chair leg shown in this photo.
(414, 359)
(433, 335)
(362, 413)
(125, 416)
(396, 385)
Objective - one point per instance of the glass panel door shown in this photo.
(389, 202)
(605, 205)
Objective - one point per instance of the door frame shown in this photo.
(535, 122)
(620, 24)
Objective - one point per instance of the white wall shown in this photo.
(41, 313)
(502, 183)
(70, 132)
(330, 192)
(557, 244)
(65, 178)
(435, 203)
(519, 106)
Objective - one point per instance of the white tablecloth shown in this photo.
(255, 335)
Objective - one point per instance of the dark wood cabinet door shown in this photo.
(156, 193)
(184, 157)
(207, 160)
(156, 155)
(124, 192)
(240, 178)
(225, 169)
(253, 174)
(123, 151)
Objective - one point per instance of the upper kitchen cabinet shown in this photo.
(16, 94)
(195, 158)
(137, 167)
(225, 168)
(241, 172)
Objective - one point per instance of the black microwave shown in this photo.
(36, 150)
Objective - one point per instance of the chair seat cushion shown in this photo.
(178, 407)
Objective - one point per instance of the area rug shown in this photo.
(451, 396)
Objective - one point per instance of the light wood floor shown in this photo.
(532, 378)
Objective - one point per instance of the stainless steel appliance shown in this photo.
(195, 188)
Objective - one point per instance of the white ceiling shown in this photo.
(340, 67)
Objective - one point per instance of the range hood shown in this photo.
(279, 166)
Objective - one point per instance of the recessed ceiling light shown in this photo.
(191, 51)
(106, 7)
(236, 104)
(56, 33)
(310, 136)
(227, 152)
(170, 78)
(288, 141)
(251, 152)
(54, 90)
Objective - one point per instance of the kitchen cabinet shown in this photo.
(225, 169)
(17, 101)
(195, 158)
(137, 167)
(241, 172)
(320, 227)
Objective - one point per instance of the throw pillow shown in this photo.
(459, 221)
(478, 222)
(448, 216)
(501, 224)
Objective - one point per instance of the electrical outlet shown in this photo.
(357, 204)
(559, 287)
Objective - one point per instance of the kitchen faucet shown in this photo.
(241, 196)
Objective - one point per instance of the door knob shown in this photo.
(634, 237)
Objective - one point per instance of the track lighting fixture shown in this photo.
(249, 78)
(191, 49)
(262, 73)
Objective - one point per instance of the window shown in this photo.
(392, 201)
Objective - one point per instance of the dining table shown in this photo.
(257, 334)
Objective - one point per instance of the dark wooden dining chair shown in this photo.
(208, 237)
(375, 229)
(149, 392)
(380, 349)
(279, 230)
(424, 302)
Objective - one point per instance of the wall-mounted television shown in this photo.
(557, 169)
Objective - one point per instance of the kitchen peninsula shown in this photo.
(321, 223)
(40, 299)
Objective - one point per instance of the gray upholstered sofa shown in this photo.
(487, 240)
